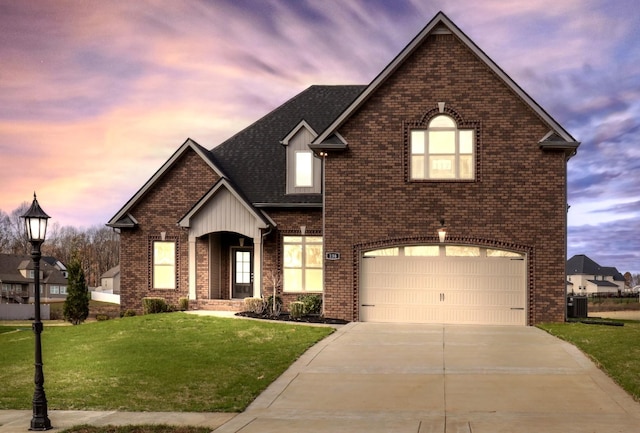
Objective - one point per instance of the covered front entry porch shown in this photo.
(225, 253)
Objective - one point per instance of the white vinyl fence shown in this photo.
(105, 297)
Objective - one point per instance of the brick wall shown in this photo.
(517, 199)
(288, 223)
(163, 205)
(202, 268)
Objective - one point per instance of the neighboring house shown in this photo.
(110, 280)
(17, 274)
(341, 192)
(57, 264)
(586, 277)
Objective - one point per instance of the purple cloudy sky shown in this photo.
(96, 95)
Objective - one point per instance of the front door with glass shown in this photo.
(242, 284)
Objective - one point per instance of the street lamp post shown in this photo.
(35, 221)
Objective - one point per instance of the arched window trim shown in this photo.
(461, 124)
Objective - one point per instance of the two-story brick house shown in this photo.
(435, 194)
(17, 279)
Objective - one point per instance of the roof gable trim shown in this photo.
(438, 25)
(188, 144)
(185, 221)
(294, 131)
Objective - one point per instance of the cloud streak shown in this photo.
(95, 96)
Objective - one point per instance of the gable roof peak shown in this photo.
(441, 24)
(303, 124)
(123, 219)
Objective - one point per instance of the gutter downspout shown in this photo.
(566, 234)
(323, 155)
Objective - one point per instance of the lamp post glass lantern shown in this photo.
(442, 231)
(35, 221)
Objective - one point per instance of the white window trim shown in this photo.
(457, 154)
(303, 243)
(154, 265)
(297, 167)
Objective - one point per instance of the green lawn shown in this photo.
(161, 362)
(615, 349)
(4, 329)
(145, 428)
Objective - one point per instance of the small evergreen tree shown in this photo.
(76, 306)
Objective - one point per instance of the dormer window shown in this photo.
(442, 151)
(303, 167)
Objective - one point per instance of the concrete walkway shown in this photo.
(415, 378)
(434, 378)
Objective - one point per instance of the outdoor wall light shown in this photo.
(442, 231)
(35, 221)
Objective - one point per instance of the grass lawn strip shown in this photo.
(615, 349)
(163, 362)
(145, 428)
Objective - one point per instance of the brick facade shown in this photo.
(517, 200)
(164, 204)
(517, 197)
(288, 224)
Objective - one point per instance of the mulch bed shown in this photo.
(286, 318)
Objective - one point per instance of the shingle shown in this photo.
(255, 160)
(603, 283)
(581, 264)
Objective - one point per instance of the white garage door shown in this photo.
(438, 284)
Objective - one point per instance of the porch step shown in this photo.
(236, 305)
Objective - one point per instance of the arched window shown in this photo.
(442, 151)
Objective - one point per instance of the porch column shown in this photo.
(192, 267)
(257, 265)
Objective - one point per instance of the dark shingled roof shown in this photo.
(581, 264)
(11, 264)
(603, 283)
(255, 160)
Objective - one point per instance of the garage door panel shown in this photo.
(409, 314)
(479, 290)
(484, 298)
(483, 315)
(402, 297)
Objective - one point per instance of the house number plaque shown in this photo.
(332, 256)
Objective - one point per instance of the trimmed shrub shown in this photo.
(296, 309)
(128, 313)
(312, 303)
(54, 314)
(254, 305)
(102, 317)
(272, 309)
(183, 304)
(154, 306)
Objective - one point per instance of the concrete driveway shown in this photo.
(440, 378)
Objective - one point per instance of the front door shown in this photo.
(242, 270)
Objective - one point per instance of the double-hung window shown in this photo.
(442, 151)
(164, 265)
(302, 260)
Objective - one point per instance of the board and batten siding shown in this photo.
(225, 213)
(300, 143)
